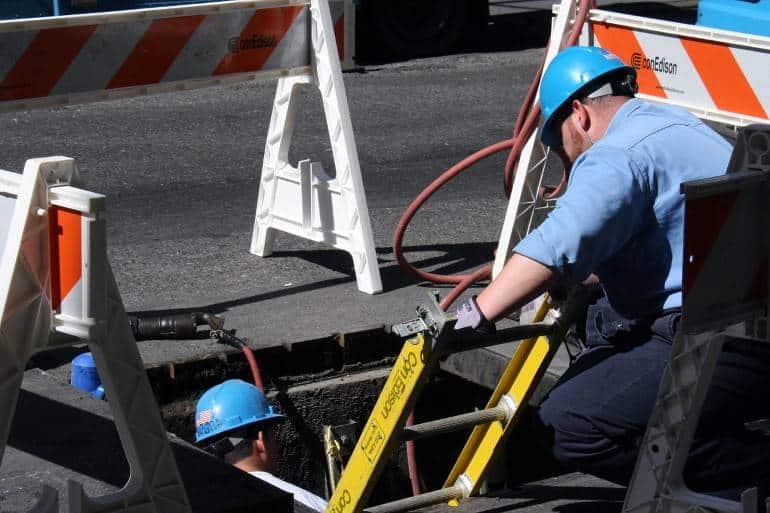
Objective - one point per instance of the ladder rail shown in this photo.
(517, 384)
(525, 368)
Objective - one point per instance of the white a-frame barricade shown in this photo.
(57, 288)
(83, 58)
(333, 211)
(716, 74)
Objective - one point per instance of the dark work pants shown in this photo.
(594, 419)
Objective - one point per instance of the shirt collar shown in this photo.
(623, 113)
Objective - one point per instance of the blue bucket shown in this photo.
(85, 376)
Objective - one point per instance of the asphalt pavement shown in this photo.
(181, 175)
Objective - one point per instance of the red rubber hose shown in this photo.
(525, 123)
(411, 460)
(255, 372)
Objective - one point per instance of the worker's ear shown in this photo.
(259, 443)
(581, 115)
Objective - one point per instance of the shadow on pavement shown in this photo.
(450, 259)
(593, 499)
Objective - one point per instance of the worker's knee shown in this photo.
(573, 436)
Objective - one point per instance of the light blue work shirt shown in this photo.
(622, 215)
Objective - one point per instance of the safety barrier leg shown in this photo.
(25, 303)
(154, 483)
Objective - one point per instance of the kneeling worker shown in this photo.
(621, 219)
(234, 421)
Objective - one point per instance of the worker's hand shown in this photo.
(469, 316)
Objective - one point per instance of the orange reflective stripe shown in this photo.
(704, 219)
(723, 77)
(44, 62)
(257, 40)
(64, 232)
(155, 52)
(622, 42)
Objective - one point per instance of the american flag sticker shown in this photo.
(204, 417)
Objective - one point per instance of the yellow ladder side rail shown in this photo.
(521, 376)
(433, 336)
(382, 431)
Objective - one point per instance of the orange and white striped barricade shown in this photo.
(718, 75)
(91, 57)
(725, 292)
(57, 288)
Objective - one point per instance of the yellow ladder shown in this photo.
(432, 336)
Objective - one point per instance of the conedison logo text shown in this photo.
(656, 63)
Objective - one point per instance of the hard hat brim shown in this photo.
(549, 137)
(267, 420)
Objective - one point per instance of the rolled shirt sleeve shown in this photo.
(606, 203)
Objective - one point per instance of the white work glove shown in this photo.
(469, 316)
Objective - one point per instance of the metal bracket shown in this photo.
(339, 442)
(430, 318)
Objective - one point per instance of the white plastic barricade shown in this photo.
(91, 57)
(718, 75)
(727, 236)
(57, 288)
(304, 201)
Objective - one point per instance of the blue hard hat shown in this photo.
(578, 69)
(231, 405)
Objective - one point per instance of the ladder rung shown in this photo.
(468, 341)
(456, 423)
(418, 501)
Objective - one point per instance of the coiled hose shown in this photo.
(525, 124)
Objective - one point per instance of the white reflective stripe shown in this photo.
(756, 66)
(294, 48)
(12, 47)
(7, 205)
(101, 57)
(208, 45)
(685, 87)
(152, 13)
(72, 303)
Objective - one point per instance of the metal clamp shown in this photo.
(430, 318)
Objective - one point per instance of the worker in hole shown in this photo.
(620, 225)
(234, 421)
